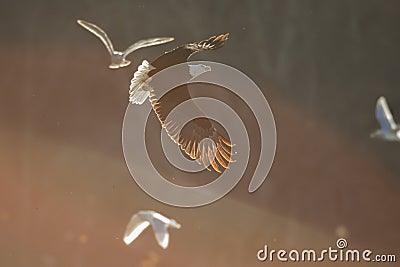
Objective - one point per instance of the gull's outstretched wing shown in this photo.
(217, 153)
(384, 116)
(96, 30)
(160, 225)
(134, 228)
(160, 232)
(146, 43)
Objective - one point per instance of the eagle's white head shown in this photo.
(196, 70)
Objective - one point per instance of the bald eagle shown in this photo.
(216, 153)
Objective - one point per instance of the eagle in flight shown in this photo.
(216, 149)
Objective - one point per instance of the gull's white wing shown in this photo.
(384, 116)
(96, 30)
(146, 43)
(134, 228)
(160, 229)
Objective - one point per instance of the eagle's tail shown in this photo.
(139, 90)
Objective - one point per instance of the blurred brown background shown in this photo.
(65, 191)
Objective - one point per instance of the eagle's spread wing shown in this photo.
(182, 53)
(217, 153)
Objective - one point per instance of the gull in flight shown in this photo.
(389, 131)
(118, 58)
(218, 150)
(158, 222)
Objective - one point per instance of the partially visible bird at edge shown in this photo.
(390, 130)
